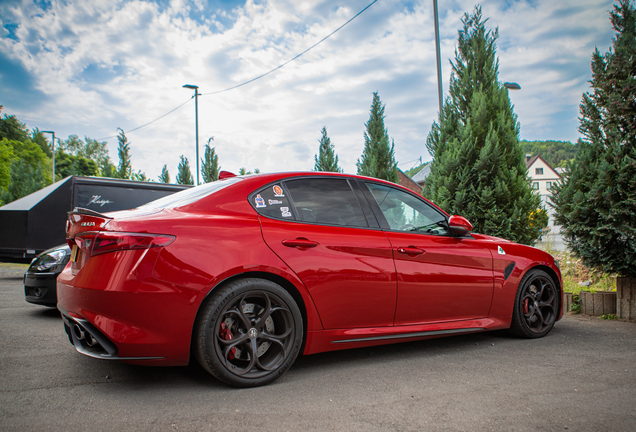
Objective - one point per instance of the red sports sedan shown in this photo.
(246, 272)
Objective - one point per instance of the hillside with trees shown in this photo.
(556, 153)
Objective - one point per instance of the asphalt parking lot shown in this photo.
(581, 377)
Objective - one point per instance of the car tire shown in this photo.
(536, 306)
(249, 333)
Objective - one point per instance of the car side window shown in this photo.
(273, 202)
(404, 212)
(326, 201)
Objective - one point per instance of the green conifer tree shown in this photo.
(596, 201)
(124, 169)
(184, 175)
(106, 169)
(326, 159)
(478, 169)
(244, 171)
(378, 159)
(210, 164)
(165, 175)
(140, 176)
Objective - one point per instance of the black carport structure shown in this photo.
(37, 221)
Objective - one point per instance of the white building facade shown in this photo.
(543, 177)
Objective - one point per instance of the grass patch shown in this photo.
(15, 265)
(576, 275)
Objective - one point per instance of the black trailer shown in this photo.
(37, 222)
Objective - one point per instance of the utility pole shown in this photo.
(196, 121)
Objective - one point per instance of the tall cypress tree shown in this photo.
(124, 169)
(210, 165)
(479, 170)
(165, 175)
(184, 176)
(596, 201)
(378, 159)
(326, 159)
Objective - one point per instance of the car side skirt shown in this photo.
(332, 340)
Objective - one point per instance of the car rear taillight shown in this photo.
(99, 243)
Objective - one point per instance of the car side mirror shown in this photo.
(459, 225)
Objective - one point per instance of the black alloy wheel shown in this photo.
(536, 305)
(249, 333)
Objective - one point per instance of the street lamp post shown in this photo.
(512, 86)
(196, 120)
(53, 151)
(439, 58)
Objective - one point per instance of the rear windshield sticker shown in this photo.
(272, 202)
(278, 191)
(284, 211)
(260, 202)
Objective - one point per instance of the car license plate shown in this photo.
(74, 253)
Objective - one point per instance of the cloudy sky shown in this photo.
(88, 67)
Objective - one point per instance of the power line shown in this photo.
(253, 79)
(150, 122)
(297, 56)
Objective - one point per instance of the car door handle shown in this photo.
(300, 243)
(411, 250)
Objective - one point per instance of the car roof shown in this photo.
(254, 181)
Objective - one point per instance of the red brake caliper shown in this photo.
(524, 305)
(226, 334)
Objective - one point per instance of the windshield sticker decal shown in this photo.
(278, 191)
(272, 202)
(284, 211)
(260, 202)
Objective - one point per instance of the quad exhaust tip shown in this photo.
(79, 332)
(89, 341)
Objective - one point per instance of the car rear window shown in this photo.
(188, 196)
(273, 202)
(326, 201)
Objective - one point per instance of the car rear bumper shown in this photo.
(128, 319)
(88, 340)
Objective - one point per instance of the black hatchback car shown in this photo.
(40, 278)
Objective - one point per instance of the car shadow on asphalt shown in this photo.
(398, 351)
(12, 277)
(129, 377)
(45, 313)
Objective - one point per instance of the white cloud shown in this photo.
(116, 63)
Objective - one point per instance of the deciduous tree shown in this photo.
(12, 129)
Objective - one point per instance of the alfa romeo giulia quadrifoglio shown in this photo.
(245, 273)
